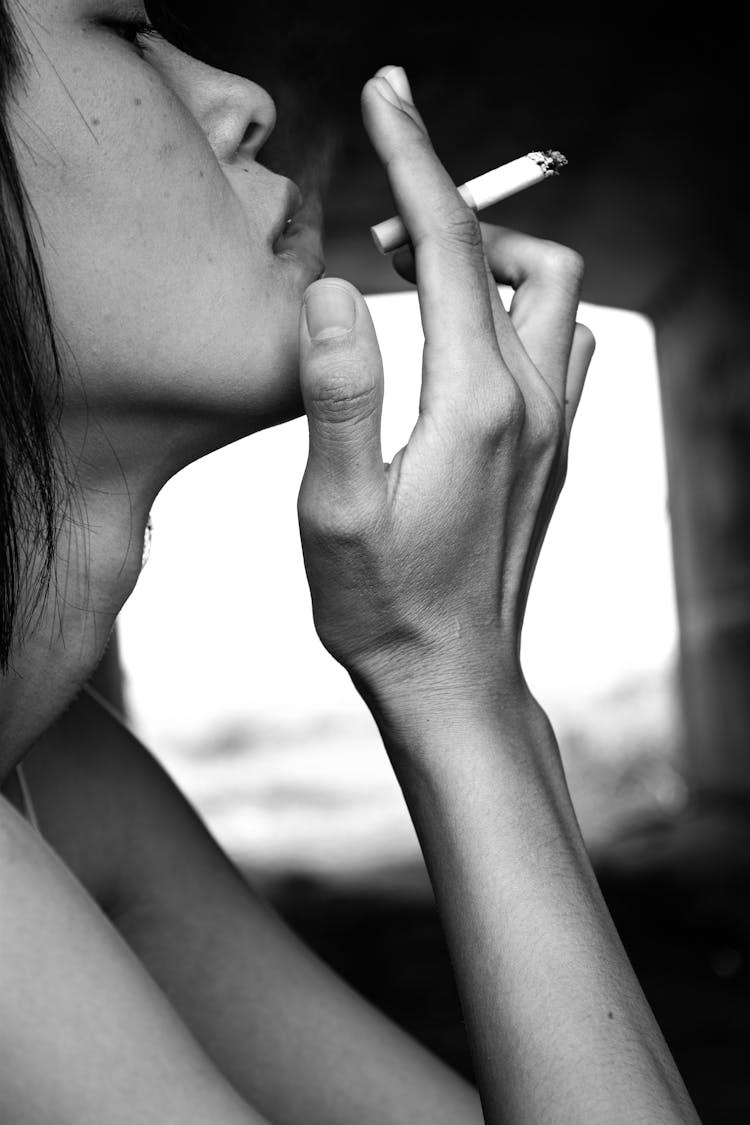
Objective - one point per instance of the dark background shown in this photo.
(647, 103)
(648, 108)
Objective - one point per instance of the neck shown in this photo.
(117, 472)
(98, 561)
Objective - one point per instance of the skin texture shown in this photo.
(141, 165)
(141, 168)
(141, 980)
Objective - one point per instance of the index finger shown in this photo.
(454, 294)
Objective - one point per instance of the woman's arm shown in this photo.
(559, 1028)
(290, 1035)
(419, 573)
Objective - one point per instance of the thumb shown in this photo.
(341, 379)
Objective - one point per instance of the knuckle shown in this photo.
(548, 424)
(505, 417)
(457, 227)
(327, 526)
(335, 400)
(307, 516)
(538, 424)
(513, 408)
(562, 262)
(462, 226)
(543, 412)
(336, 532)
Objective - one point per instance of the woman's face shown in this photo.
(160, 240)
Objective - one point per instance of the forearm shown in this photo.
(559, 1028)
(419, 571)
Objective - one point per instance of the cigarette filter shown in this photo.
(482, 191)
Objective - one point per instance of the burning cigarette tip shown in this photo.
(550, 161)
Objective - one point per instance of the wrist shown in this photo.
(459, 764)
(433, 713)
(460, 675)
(420, 694)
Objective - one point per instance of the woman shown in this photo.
(141, 979)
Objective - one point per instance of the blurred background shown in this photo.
(218, 646)
(638, 633)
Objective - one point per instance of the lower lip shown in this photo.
(301, 243)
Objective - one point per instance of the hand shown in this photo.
(420, 569)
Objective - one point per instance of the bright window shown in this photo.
(230, 686)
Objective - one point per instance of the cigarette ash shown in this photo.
(550, 161)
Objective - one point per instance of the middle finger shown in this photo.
(546, 278)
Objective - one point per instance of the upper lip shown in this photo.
(292, 205)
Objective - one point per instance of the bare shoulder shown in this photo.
(261, 1004)
(99, 795)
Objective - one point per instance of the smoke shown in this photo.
(280, 49)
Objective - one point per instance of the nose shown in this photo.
(237, 115)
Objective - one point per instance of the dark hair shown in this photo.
(30, 381)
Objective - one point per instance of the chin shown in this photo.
(239, 416)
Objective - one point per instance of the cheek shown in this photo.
(207, 337)
(162, 283)
(213, 337)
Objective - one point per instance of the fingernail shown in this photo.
(330, 311)
(396, 78)
(386, 91)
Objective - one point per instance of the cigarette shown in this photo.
(482, 191)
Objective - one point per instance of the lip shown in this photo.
(297, 236)
(292, 205)
(302, 243)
